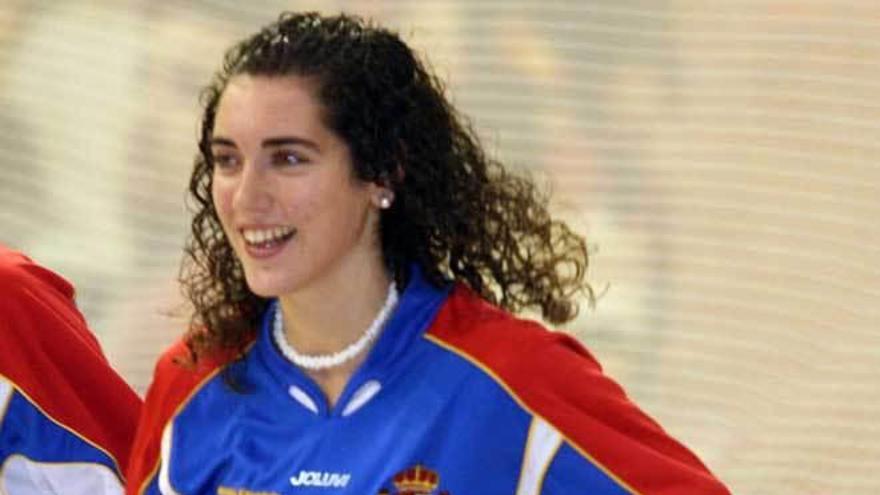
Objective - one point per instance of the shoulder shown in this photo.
(20, 274)
(40, 319)
(177, 374)
(41, 329)
(472, 326)
(557, 380)
(176, 379)
(38, 306)
(533, 363)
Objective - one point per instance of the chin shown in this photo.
(262, 292)
(267, 288)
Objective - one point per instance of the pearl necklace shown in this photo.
(325, 361)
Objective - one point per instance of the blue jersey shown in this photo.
(456, 397)
(66, 419)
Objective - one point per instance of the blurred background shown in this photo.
(720, 156)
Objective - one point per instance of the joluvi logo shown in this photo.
(320, 479)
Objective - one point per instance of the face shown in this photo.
(285, 190)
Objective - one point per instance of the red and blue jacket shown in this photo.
(67, 419)
(457, 397)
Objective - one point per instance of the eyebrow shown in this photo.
(270, 142)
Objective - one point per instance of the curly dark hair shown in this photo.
(457, 214)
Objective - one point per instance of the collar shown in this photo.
(418, 305)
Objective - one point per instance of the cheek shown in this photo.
(303, 206)
(323, 213)
(350, 214)
(222, 198)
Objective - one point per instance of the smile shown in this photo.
(260, 237)
(266, 242)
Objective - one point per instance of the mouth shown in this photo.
(265, 242)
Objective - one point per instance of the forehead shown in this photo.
(269, 104)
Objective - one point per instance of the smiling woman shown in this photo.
(354, 262)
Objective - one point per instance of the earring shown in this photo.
(386, 197)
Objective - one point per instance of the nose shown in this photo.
(253, 190)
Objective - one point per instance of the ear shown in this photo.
(383, 189)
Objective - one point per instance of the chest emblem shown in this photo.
(417, 480)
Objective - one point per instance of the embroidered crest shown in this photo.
(417, 480)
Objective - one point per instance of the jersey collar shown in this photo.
(416, 309)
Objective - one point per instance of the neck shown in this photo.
(330, 314)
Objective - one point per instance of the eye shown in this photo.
(287, 157)
(225, 161)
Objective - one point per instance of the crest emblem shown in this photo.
(417, 480)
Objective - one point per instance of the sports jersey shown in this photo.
(66, 419)
(457, 397)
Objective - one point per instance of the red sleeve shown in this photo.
(552, 376)
(48, 352)
(173, 383)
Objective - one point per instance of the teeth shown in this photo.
(261, 236)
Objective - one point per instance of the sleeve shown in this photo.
(585, 431)
(66, 418)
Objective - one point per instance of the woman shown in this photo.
(66, 418)
(351, 254)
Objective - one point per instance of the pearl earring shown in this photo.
(385, 202)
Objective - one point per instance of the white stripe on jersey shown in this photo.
(6, 391)
(165, 487)
(541, 446)
(22, 476)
